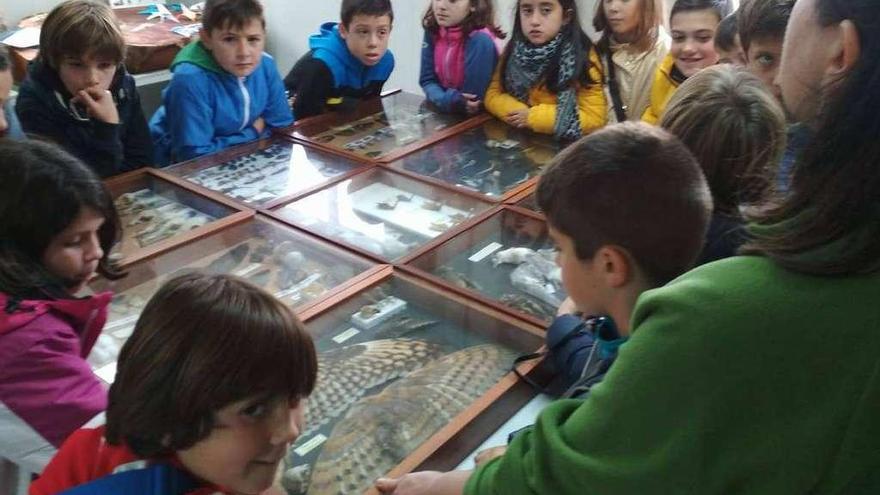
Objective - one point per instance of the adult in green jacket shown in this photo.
(758, 374)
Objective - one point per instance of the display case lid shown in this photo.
(297, 268)
(157, 214)
(264, 173)
(382, 214)
(381, 129)
(492, 159)
(507, 261)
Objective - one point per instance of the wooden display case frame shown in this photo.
(133, 180)
(405, 264)
(447, 447)
(207, 161)
(302, 130)
(475, 219)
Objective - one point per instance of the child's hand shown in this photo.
(489, 454)
(259, 125)
(99, 103)
(472, 103)
(518, 118)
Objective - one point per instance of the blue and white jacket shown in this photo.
(206, 109)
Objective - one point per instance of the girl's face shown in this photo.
(693, 40)
(451, 13)
(248, 442)
(623, 17)
(74, 253)
(541, 20)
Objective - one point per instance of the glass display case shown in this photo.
(380, 129)
(298, 269)
(493, 159)
(156, 214)
(508, 260)
(381, 213)
(401, 368)
(267, 172)
(526, 199)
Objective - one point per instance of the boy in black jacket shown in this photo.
(347, 62)
(79, 94)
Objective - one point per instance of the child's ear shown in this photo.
(569, 15)
(614, 265)
(343, 31)
(205, 38)
(848, 49)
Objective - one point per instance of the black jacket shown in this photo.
(43, 109)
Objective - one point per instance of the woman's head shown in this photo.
(693, 24)
(629, 21)
(215, 372)
(57, 221)
(828, 224)
(469, 15)
(735, 128)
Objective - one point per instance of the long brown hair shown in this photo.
(735, 128)
(829, 224)
(650, 19)
(482, 16)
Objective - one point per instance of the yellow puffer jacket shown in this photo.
(592, 110)
(661, 91)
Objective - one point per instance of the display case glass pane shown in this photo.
(258, 173)
(509, 258)
(152, 210)
(379, 127)
(529, 202)
(294, 267)
(491, 159)
(380, 212)
(397, 363)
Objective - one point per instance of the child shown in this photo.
(761, 26)
(225, 89)
(347, 62)
(57, 224)
(727, 43)
(459, 53)
(612, 250)
(549, 79)
(209, 394)
(79, 95)
(693, 24)
(632, 45)
(9, 126)
(736, 130)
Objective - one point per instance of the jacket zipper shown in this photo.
(247, 103)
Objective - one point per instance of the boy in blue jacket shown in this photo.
(9, 126)
(348, 61)
(225, 90)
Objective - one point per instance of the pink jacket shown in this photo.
(47, 389)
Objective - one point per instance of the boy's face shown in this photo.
(579, 277)
(237, 50)
(79, 73)
(366, 37)
(693, 40)
(763, 61)
(5, 88)
(249, 440)
(734, 56)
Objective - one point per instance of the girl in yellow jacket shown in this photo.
(545, 81)
(693, 24)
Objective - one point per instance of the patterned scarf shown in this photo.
(525, 67)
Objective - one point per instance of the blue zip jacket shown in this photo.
(329, 74)
(480, 57)
(206, 109)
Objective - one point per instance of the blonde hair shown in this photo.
(81, 28)
(736, 129)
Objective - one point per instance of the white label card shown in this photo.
(486, 251)
(107, 372)
(311, 445)
(342, 337)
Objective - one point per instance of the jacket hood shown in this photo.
(47, 83)
(87, 315)
(196, 54)
(329, 47)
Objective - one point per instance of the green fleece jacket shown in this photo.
(740, 377)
